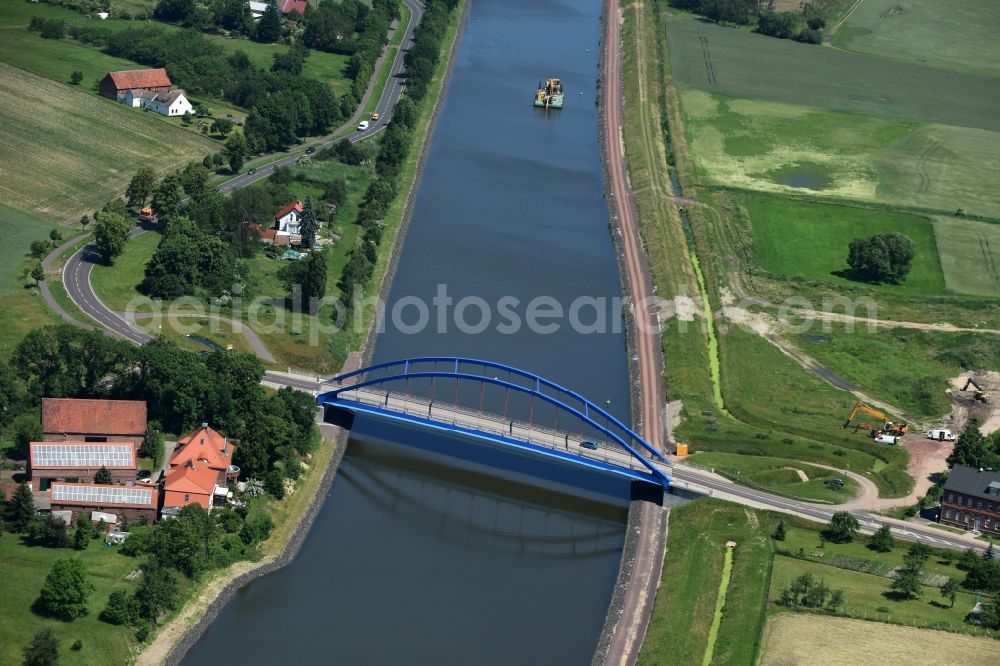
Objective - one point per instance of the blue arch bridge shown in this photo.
(502, 406)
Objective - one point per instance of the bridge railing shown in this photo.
(487, 423)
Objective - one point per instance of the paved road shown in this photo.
(76, 273)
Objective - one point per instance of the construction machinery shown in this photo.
(978, 394)
(888, 427)
(550, 94)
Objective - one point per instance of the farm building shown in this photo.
(134, 502)
(971, 500)
(79, 461)
(116, 85)
(71, 419)
(200, 470)
(172, 103)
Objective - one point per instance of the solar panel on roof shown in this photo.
(102, 494)
(80, 455)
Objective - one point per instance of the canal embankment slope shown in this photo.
(176, 638)
(642, 559)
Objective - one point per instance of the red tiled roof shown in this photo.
(204, 444)
(140, 78)
(261, 232)
(93, 417)
(293, 5)
(295, 205)
(41, 455)
(191, 477)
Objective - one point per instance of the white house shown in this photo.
(257, 9)
(287, 220)
(172, 103)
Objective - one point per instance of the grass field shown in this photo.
(779, 475)
(64, 153)
(799, 421)
(970, 255)
(25, 569)
(685, 601)
(794, 149)
(118, 284)
(956, 35)
(866, 593)
(909, 368)
(17, 230)
(811, 640)
(858, 557)
(798, 238)
(718, 59)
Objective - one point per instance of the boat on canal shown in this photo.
(549, 94)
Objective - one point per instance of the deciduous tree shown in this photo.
(882, 257)
(140, 187)
(882, 540)
(111, 235)
(950, 591)
(842, 527)
(66, 590)
(43, 650)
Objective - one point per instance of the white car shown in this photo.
(363, 125)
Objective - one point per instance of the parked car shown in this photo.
(834, 482)
(363, 125)
(587, 444)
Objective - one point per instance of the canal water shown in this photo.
(412, 560)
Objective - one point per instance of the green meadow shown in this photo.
(810, 240)
(963, 36)
(970, 255)
(718, 59)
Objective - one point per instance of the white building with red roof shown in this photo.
(287, 220)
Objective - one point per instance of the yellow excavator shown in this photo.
(888, 427)
(978, 395)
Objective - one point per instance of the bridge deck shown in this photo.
(608, 452)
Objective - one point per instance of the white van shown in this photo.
(941, 435)
(363, 125)
(887, 439)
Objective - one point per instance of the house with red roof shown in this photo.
(79, 420)
(200, 470)
(117, 84)
(289, 6)
(287, 220)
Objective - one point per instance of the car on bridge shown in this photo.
(587, 444)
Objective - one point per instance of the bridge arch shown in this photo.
(385, 375)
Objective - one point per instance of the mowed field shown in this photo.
(794, 149)
(970, 255)
(810, 240)
(962, 37)
(64, 153)
(718, 59)
(815, 640)
(17, 231)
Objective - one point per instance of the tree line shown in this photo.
(805, 26)
(421, 62)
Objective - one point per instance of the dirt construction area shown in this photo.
(813, 640)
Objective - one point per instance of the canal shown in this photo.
(412, 559)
